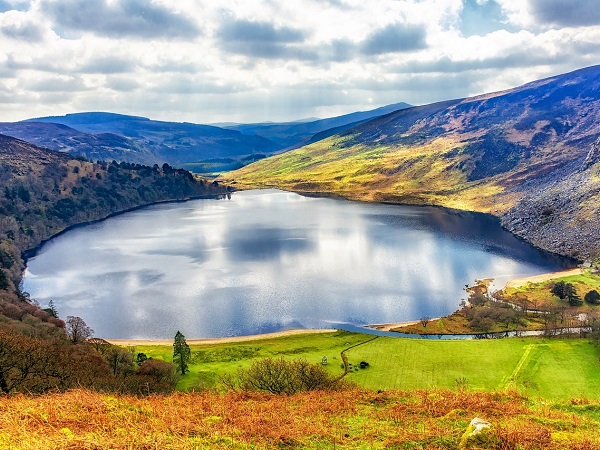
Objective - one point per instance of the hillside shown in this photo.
(528, 155)
(352, 419)
(99, 146)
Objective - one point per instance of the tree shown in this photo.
(141, 359)
(566, 291)
(592, 297)
(181, 353)
(51, 309)
(77, 329)
(424, 321)
(559, 289)
(120, 360)
(571, 295)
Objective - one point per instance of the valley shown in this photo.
(529, 156)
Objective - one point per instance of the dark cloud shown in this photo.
(263, 40)
(123, 18)
(26, 31)
(395, 38)
(566, 13)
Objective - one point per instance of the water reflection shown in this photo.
(270, 260)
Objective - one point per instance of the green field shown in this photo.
(547, 368)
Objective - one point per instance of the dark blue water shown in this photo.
(269, 260)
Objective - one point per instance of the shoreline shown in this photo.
(517, 282)
(391, 325)
(221, 340)
(33, 251)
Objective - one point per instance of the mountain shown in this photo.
(203, 148)
(290, 135)
(139, 139)
(100, 146)
(529, 155)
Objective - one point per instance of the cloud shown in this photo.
(121, 18)
(263, 40)
(567, 13)
(122, 84)
(56, 85)
(108, 65)
(395, 38)
(16, 25)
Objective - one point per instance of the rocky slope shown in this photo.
(528, 155)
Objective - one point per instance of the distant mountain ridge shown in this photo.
(145, 140)
(525, 154)
(108, 136)
(294, 134)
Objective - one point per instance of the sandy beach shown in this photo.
(543, 277)
(391, 326)
(208, 341)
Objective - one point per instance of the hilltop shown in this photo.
(529, 155)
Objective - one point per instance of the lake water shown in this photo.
(269, 260)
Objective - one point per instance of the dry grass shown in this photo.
(351, 419)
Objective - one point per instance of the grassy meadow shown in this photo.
(547, 368)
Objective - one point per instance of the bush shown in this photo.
(592, 297)
(281, 376)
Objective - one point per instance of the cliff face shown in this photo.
(529, 155)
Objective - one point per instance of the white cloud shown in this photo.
(207, 61)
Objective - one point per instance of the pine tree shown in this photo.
(52, 309)
(181, 353)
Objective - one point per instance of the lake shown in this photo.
(269, 260)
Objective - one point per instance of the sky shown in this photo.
(209, 61)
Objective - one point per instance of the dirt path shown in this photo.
(254, 337)
(543, 277)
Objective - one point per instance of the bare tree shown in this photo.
(424, 321)
(77, 329)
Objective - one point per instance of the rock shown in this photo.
(475, 434)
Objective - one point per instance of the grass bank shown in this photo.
(547, 368)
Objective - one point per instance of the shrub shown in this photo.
(281, 376)
(592, 297)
